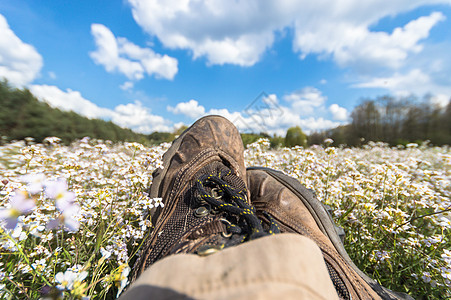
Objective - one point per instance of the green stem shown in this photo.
(27, 261)
(19, 287)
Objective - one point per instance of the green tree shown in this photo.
(157, 137)
(277, 141)
(22, 115)
(446, 121)
(366, 122)
(295, 137)
(340, 135)
(249, 138)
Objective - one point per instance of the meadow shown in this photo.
(73, 217)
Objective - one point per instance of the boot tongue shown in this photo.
(222, 192)
(212, 228)
(201, 225)
(220, 170)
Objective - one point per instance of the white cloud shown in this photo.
(440, 100)
(178, 125)
(271, 115)
(239, 32)
(191, 109)
(20, 63)
(353, 44)
(415, 81)
(119, 54)
(52, 75)
(338, 113)
(68, 100)
(399, 82)
(235, 32)
(132, 115)
(126, 85)
(139, 118)
(317, 124)
(305, 101)
(277, 125)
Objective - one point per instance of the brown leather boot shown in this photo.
(202, 184)
(296, 210)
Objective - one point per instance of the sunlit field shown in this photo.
(73, 217)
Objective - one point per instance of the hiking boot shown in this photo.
(296, 210)
(202, 186)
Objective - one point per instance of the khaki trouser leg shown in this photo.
(285, 266)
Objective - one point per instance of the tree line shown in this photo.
(23, 115)
(396, 121)
(389, 119)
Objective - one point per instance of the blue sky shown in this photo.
(266, 65)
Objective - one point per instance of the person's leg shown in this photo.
(285, 266)
(206, 203)
(296, 210)
(207, 209)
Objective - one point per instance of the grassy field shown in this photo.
(73, 215)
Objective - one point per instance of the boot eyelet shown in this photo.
(202, 211)
(215, 193)
(224, 220)
(226, 235)
(206, 250)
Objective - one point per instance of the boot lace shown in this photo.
(242, 217)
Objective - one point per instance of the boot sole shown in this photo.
(327, 226)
